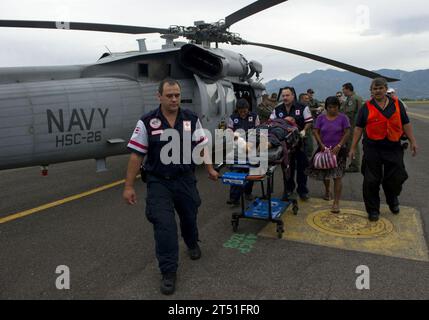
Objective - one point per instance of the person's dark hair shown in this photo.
(301, 95)
(242, 104)
(170, 81)
(348, 86)
(339, 93)
(332, 101)
(378, 82)
(291, 89)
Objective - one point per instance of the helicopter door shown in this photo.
(230, 99)
(212, 106)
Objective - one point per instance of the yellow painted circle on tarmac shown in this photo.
(349, 223)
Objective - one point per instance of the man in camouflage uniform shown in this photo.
(350, 107)
(313, 104)
(304, 98)
(266, 107)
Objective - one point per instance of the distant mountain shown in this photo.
(413, 85)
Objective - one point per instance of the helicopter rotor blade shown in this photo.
(341, 65)
(249, 10)
(80, 26)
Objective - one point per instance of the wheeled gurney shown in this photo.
(266, 207)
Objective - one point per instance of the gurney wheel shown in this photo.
(234, 223)
(280, 231)
(295, 209)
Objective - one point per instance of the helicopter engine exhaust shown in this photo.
(201, 61)
(213, 63)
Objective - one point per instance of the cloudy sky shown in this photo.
(374, 34)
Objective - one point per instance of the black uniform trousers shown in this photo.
(382, 166)
(163, 197)
(298, 162)
(235, 191)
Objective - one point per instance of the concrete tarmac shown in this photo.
(108, 246)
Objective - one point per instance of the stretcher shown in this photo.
(263, 208)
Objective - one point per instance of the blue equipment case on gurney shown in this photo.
(265, 208)
(258, 209)
(234, 178)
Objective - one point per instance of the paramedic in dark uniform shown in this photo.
(298, 159)
(245, 120)
(382, 120)
(169, 186)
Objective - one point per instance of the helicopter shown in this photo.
(57, 114)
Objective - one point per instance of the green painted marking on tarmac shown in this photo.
(242, 242)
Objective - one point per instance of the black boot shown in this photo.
(195, 252)
(168, 283)
(304, 196)
(394, 208)
(394, 205)
(373, 216)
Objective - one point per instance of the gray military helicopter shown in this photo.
(65, 113)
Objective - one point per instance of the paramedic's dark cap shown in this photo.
(310, 91)
(242, 104)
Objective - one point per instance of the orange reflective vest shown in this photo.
(378, 127)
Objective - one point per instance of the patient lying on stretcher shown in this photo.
(274, 137)
(278, 131)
